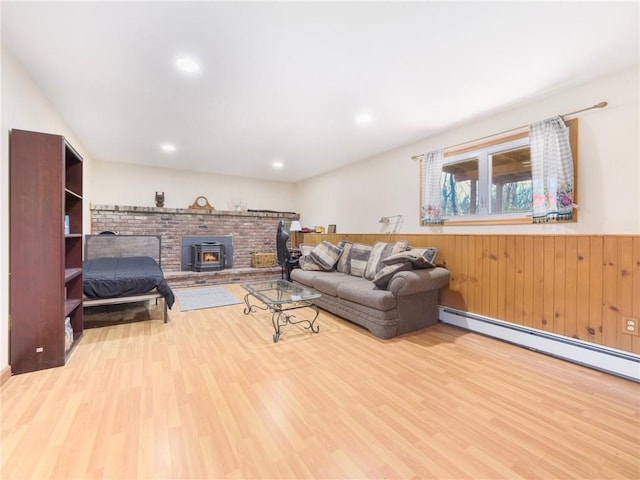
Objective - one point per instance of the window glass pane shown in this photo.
(511, 190)
(460, 188)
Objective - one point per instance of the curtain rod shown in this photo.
(597, 105)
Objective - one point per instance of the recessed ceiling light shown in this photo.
(168, 147)
(364, 118)
(277, 164)
(188, 65)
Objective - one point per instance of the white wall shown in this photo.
(23, 107)
(608, 181)
(124, 184)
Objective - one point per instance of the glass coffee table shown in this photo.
(281, 297)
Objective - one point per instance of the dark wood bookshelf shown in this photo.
(45, 260)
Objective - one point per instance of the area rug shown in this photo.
(205, 297)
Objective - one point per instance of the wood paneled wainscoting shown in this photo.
(578, 286)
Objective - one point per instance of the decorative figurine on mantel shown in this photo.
(202, 203)
(159, 199)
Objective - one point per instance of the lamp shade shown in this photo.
(295, 226)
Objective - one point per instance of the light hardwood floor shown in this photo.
(209, 395)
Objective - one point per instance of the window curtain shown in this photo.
(551, 171)
(432, 202)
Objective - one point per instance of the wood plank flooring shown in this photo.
(209, 395)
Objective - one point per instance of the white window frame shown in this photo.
(483, 155)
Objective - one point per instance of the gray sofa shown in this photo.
(405, 300)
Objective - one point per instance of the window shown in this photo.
(511, 189)
(460, 187)
(490, 182)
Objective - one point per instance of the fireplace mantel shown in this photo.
(197, 211)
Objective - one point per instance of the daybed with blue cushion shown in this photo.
(124, 269)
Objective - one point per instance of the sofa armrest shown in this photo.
(409, 282)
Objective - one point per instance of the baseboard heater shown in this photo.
(606, 359)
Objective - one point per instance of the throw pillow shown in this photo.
(326, 254)
(380, 251)
(305, 260)
(386, 273)
(358, 259)
(307, 263)
(305, 249)
(343, 262)
(419, 257)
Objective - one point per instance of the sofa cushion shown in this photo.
(366, 293)
(326, 254)
(358, 259)
(307, 277)
(419, 257)
(343, 262)
(380, 251)
(328, 284)
(388, 271)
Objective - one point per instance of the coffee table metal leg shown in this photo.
(280, 318)
(250, 308)
(275, 319)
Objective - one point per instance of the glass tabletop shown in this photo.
(273, 292)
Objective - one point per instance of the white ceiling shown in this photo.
(285, 80)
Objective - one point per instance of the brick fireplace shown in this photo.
(251, 232)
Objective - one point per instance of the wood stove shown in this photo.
(208, 256)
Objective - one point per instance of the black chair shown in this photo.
(286, 262)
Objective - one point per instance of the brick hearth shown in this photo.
(253, 232)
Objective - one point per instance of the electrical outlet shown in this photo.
(630, 325)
